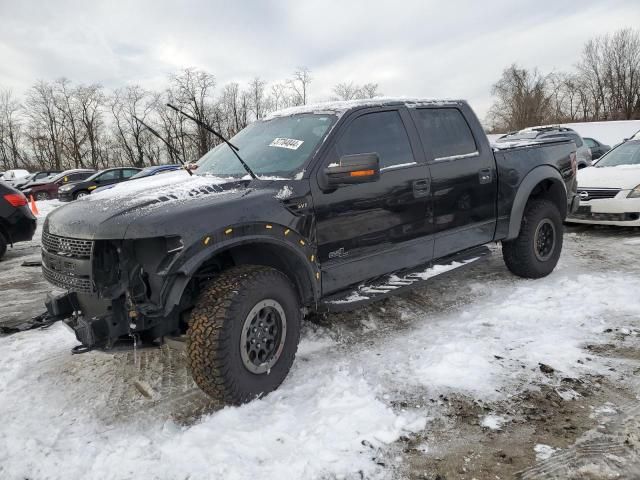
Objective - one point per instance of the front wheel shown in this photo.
(536, 250)
(42, 196)
(244, 333)
(81, 194)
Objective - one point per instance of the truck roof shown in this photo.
(342, 106)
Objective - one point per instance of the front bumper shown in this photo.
(65, 196)
(619, 211)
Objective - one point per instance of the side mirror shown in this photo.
(353, 169)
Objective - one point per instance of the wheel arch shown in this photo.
(542, 182)
(298, 264)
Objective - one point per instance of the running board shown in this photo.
(400, 281)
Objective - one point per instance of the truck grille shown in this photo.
(587, 194)
(66, 246)
(77, 284)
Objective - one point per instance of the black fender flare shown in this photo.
(529, 182)
(302, 251)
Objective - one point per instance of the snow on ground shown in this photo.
(360, 380)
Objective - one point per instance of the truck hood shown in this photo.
(128, 208)
(624, 177)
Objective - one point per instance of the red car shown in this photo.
(49, 189)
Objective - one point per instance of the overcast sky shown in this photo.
(411, 48)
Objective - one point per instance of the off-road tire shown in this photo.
(3, 245)
(520, 253)
(215, 328)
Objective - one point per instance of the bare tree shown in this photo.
(131, 136)
(46, 122)
(350, 91)
(300, 85)
(522, 99)
(91, 101)
(10, 131)
(256, 94)
(193, 89)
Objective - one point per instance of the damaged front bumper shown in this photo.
(93, 332)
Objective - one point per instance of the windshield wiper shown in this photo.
(233, 148)
(169, 146)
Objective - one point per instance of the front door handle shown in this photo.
(485, 176)
(421, 188)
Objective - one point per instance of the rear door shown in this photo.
(463, 179)
(370, 229)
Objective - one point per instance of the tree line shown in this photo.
(60, 125)
(604, 85)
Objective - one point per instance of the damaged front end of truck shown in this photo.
(114, 288)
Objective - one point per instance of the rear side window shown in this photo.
(111, 175)
(78, 176)
(446, 132)
(382, 133)
(129, 173)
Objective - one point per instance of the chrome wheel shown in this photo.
(263, 336)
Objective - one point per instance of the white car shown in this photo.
(11, 176)
(610, 190)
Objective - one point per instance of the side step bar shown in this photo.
(400, 281)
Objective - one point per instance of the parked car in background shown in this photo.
(76, 190)
(597, 149)
(145, 172)
(11, 176)
(34, 177)
(583, 152)
(17, 223)
(48, 187)
(610, 191)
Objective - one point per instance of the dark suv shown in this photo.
(73, 191)
(320, 208)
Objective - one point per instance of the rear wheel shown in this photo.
(3, 245)
(536, 250)
(243, 333)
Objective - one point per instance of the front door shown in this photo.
(370, 229)
(463, 179)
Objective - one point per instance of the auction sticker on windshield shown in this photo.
(290, 143)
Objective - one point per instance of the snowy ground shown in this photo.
(478, 375)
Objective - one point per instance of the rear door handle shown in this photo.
(484, 175)
(421, 188)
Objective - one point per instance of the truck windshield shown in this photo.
(275, 147)
(626, 154)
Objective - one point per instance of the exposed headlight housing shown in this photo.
(635, 193)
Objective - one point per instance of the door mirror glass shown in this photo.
(352, 169)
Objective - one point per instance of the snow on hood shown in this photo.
(178, 184)
(625, 177)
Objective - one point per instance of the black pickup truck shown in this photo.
(344, 203)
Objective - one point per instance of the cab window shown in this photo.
(446, 132)
(382, 133)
